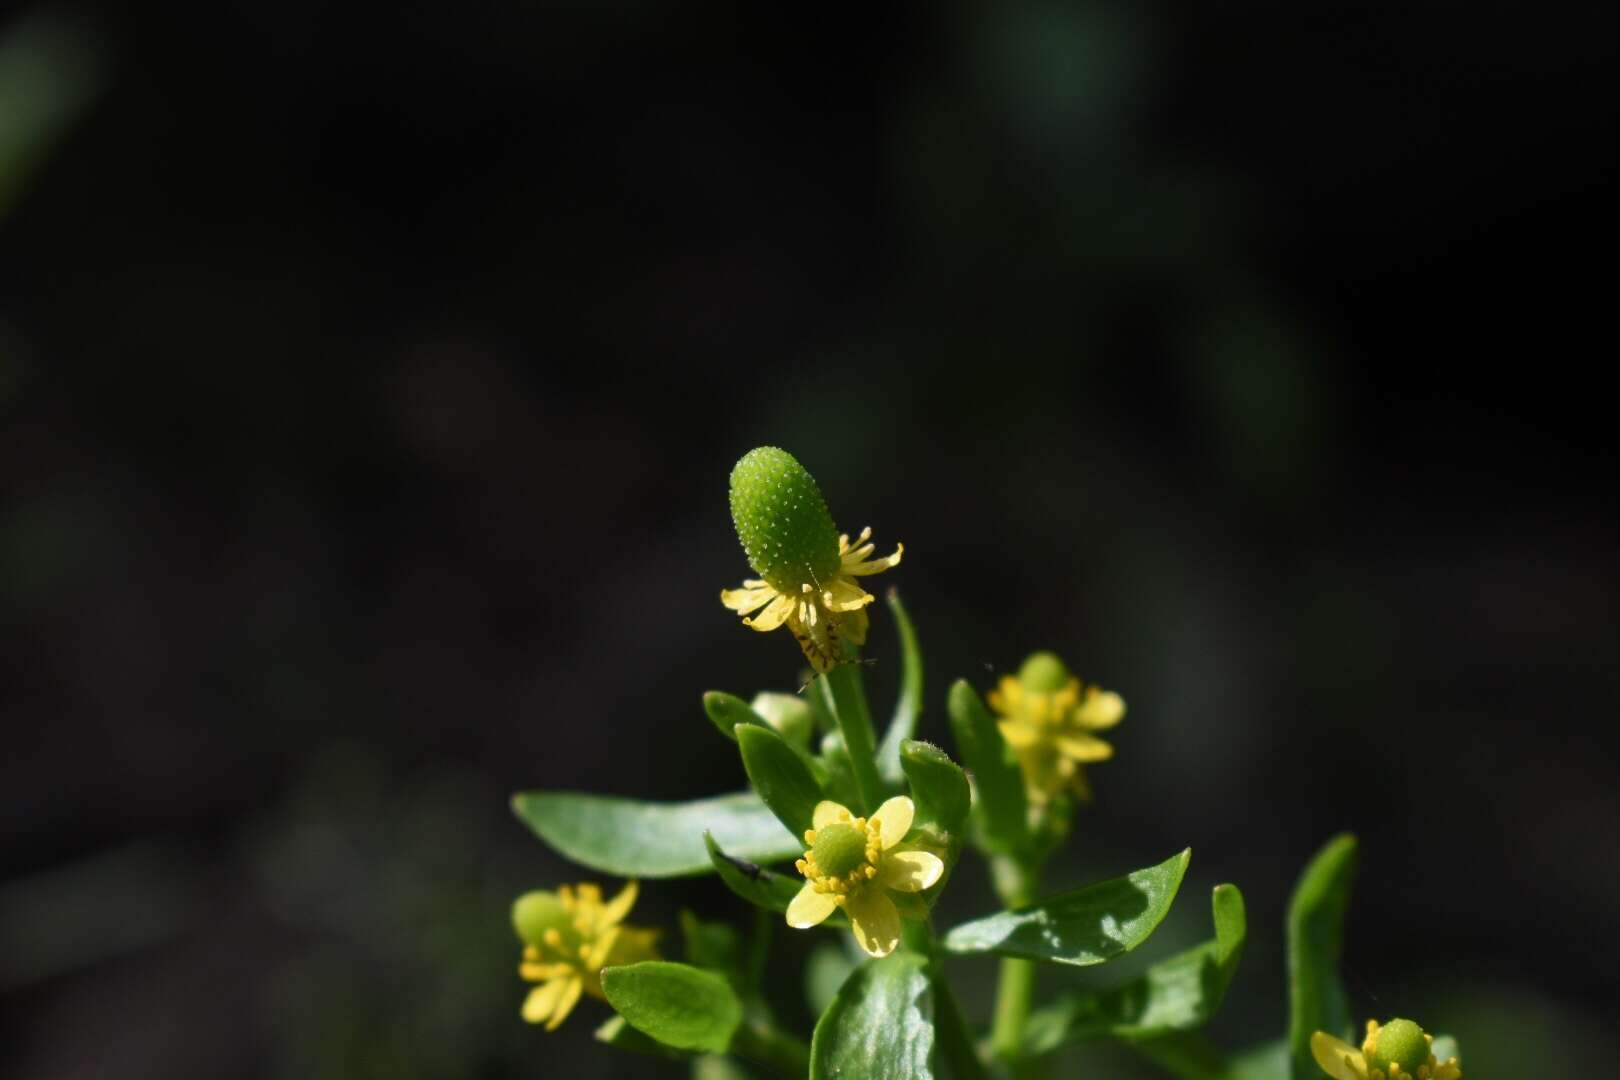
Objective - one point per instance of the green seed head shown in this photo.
(1399, 1042)
(783, 521)
(839, 849)
(536, 912)
(1043, 673)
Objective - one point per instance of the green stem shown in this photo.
(848, 699)
(772, 1048)
(955, 1037)
(1017, 883)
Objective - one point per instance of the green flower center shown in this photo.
(783, 521)
(1043, 673)
(536, 912)
(839, 849)
(1399, 1042)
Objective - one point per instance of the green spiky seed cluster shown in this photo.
(1399, 1042)
(1043, 673)
(838, 849)
(783, 521)
(536, 912)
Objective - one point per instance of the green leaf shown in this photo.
(759, 886)
(712, 945)
(1177, 994)
(619, 1034)
(780, 776)
(653, 840)
(906, 711)
(1316, 999)
(1191, 1056)
(729, 710)
(939, 787)
(679, 1005)
(828, 968)
(881, 1024)
(839, 770)
(1086, 926)
(997, 780)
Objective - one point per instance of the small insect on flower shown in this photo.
(807, 570)
(569, 936)
(1051, 723)
(1398, 1050)
(853, 863)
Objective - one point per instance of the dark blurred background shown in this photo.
(369, 380)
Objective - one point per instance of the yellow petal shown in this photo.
(601, 948)
(855, 624)
(844, 595)
(809, 908)
(542, 1000)
(909, 871)
(565, 1003)
(828, 812)
(746, 599)
(1084, 748)
(774, 615)
(1101, 710)
(1019, 734)
(876, 921)
(893, 820)
(876, 565)
(620, 906)
(536, 973)
(1338, 1058)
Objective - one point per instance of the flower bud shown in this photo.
(1043, 673)
(783, 522)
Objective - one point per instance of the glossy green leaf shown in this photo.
(729, 710)
(997, 780)
(1177, 994)
(653, 840)
(679, 1005)
(909, 707)
(880, 1026)
(1086, 926)
(789, 715)
(1316, 999)
(621, 1036)
(782, 779)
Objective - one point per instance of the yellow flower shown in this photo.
(569, 937)
(1398, 1050)
(820, 615)
(852, 864)
(806, 570)
(1050, 722)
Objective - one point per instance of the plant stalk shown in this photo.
(848, 700)
(1017, 882)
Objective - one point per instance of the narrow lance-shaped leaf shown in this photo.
(1177, 994)
(679, 1005)
(653, 840)
(997, 779)
(939, 788)
(880, 1026)
(909, 707)
(782, 779)
(729, 710)
(1086, 926)
(761, 887)
(1316, 1000)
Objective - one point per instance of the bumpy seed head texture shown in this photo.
(1399, 1042)
(782, 521)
